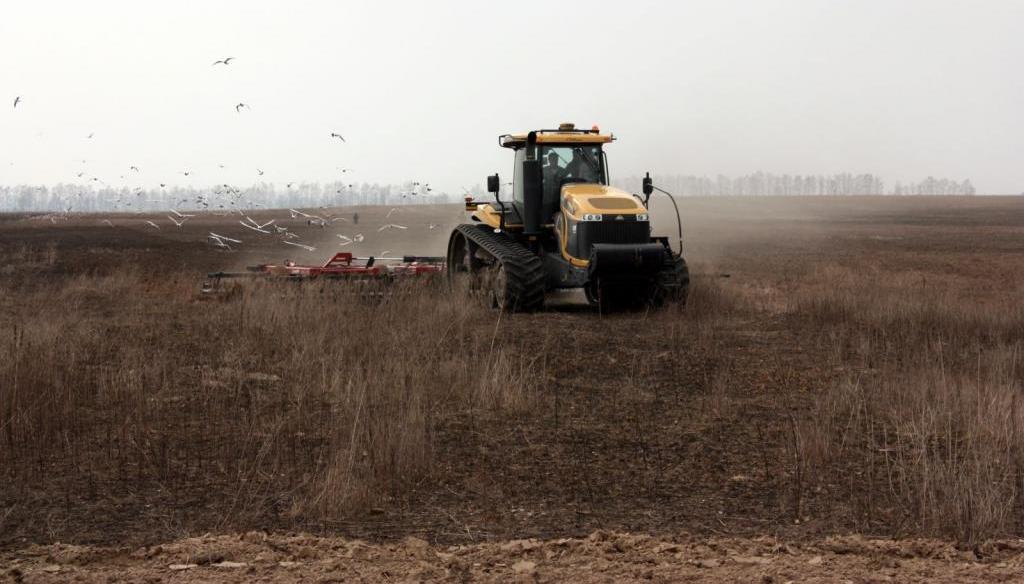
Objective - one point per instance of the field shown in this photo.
(840, 398)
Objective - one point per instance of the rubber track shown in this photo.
(524, 271)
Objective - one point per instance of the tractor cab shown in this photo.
(564, 156)
(561, 197)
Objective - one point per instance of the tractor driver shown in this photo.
(553, 172)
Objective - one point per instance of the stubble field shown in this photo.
(840, 397)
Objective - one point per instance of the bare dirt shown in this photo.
(600, 557)
(660, 449)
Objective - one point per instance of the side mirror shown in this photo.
(493, 184)
(648, 185)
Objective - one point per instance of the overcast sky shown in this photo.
(420, 90)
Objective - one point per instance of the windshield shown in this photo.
(569, 163)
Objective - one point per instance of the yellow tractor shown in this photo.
(564, 227)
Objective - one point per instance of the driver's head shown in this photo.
(553, 158)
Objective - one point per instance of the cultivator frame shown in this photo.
(341, 266)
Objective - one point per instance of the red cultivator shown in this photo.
(342, 266)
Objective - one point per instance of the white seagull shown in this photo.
(253, 227)
(305, 247)
(223, 238)
(260, 225)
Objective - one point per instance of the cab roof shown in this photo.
(566, 133)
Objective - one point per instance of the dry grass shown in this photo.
(864, 384)
(301, 401)
(926, 415)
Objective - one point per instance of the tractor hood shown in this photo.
(582, 199)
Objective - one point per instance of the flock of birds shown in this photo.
(225, 199)
(286, 235)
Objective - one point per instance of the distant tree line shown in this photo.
(767, 184)
(74, 198)
(65, 197)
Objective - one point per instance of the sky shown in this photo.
(421, 90)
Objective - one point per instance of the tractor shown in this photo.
(565, 227)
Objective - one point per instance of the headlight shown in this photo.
(592, 217)
(642, 217)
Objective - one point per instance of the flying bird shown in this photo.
(392, 226)
(91, 134)
(393, 210)
(221, 238)
(260, 225)
(253, 227)
(338, 136)
(17, 100)
(259, 172)
(305, 247)
(240, 105)
(177, 223)
(135, 168)
(226, 61)
(151, 224)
